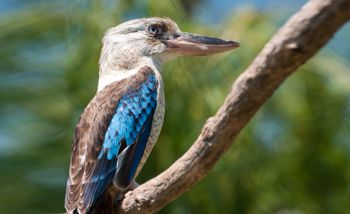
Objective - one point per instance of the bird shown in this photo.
(119, 127)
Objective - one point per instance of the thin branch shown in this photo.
(296, 42)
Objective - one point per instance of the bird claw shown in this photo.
(133, 185)
(119, 197)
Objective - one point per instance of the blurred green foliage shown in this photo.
(293, 157)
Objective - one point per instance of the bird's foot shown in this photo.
(133, 185)
(119, 197)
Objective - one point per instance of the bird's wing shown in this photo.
(110, 139)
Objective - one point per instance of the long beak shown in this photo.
(198, 45)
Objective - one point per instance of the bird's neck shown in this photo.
(108, 74)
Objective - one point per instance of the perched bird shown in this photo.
(121, 124)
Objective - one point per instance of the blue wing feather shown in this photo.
(140, 147)
(129, 117)
(131, 124)
(97, 185)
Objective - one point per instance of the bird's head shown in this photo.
(126, 45)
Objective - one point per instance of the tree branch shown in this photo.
(296, 42)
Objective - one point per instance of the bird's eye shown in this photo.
(154, 29)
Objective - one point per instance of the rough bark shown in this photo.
(296, 42)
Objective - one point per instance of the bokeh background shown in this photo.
(293, 157)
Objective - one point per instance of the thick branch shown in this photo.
(296, 42)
